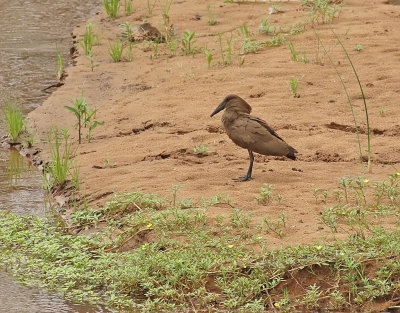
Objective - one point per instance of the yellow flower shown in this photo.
(259, 238)
(341, 253)
(398, 174)
(277, 304)
(319, 247)
(230, 246)
(366, 181)
(149, 225)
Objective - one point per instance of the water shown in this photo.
(31, 34)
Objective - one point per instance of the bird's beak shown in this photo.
(219, 108)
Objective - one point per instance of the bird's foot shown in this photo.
(243, 178)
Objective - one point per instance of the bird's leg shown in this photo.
(248, 175)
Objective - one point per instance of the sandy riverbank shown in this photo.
(156, 109)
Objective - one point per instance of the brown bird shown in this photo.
(250, 132)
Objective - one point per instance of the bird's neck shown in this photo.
(230, 115)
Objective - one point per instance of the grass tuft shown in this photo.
(12, 118)
(111, 7)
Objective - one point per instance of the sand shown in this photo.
(156, 109)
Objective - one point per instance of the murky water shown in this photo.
(21, 187)
(31, 34)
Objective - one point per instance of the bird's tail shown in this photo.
(292, 152)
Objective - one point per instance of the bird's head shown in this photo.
(233, 102)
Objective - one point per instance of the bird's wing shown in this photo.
(266, 126)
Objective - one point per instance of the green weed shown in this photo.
(115, 51)
(211, 16)
(249, 45)
(130, 52)
(239, 219)
(265, 27)
(29, 139)
(111, 7)
(128, 29)
(188, 42)
(294, 87)
(363, 97)
(79, 108)
(128, 7)
(172, 46)
(89, 39)
(275, 8)
(265, 194)
(150, 6)
(209, 56)
(277, 226)
(59, 164)
(226, 54)
(277, 40)
(347, 95)
(13, 119)
(171, 253)
(168, 27)
(358, 47)
(91, 59)
(59, 66)
(201, 150)
(295, 55)
(323, 11)
(155, 50)
(293, 52)
(85, 117)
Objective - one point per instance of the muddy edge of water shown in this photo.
(32, 33)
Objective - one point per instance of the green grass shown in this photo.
(89, 39)
(201, 150)
(265, 27)
(363, 97)
(13, 119)
(187, 42)
(211, 16)
(177, 254)
(111, 7)
(226, 53)
(293, 52)
(150, 6)
(249, 45)
(85, 117)
(265, 194)
(60, 154)
(294, 87)
(349, 99)
(79, 108)
(209, 56)
(322, 11)
(128, 7)
(358, 47)
(115, 51)
(59, 66)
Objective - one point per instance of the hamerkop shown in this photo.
(250, 132)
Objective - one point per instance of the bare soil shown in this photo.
(156, 110)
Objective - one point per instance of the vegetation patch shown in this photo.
(168, 254)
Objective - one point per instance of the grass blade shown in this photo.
(347, 94)
(363, 96)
